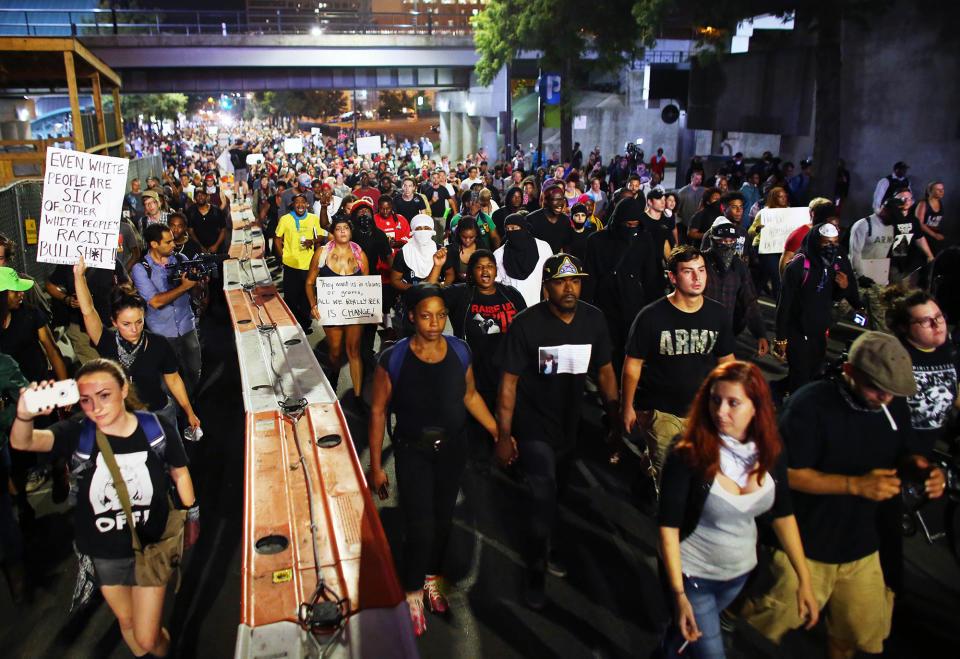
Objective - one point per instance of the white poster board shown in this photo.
(876, 269)
(254, 158)
(314, 130)
(349, 300)
(778, 224)
(82, 200)
(580, 122)
(367, 145)
(292, 145)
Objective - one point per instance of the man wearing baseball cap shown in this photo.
(547, 352)
(303, 186)
(849, 445)
(298, 233)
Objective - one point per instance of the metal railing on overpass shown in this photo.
(106, 22)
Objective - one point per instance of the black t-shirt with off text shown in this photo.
(483, 320)
(101, 525)
(552, 359)
(678, 350)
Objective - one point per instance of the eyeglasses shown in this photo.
(929, 322)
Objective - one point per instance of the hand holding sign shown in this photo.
(82, 201)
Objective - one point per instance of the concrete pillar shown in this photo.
(470, 126)
(455, 144)
(489, 138)
(444, 147)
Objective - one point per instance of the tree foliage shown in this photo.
(317, 103)
(159, 106)
(393, 102)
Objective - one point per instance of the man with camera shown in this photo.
(168, 304)
(849, 448)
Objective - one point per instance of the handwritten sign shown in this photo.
(80, 215)
(778, 224)
(349, 300)
(367, 145)
(292, 145)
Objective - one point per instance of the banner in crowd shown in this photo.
(80, 214)
(349, 300)
(292, 145)
(367, 145)
(778, 224)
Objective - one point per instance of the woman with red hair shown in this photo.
(717, 479)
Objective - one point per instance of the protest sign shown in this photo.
(254, 158)
(80, 214)
(349, 300)
(367, 145)
(778, 224)
(292, 145)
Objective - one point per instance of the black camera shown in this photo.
(199, 268)
(913, 485)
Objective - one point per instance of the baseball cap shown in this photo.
(152, 194)
(298, 194)
(723, 230)
(560, 266)
(883, 359)
(305, 180)
(10, 281)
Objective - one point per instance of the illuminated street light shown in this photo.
(316, 31)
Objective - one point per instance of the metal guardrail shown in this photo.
(106, 22)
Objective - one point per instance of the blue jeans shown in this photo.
(708, 598)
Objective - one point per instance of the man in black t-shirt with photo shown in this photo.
(541, 410)
(673, 344)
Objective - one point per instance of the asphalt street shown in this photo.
(608, 606)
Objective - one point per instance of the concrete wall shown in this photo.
(901, 94)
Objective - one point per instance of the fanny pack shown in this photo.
(156, 562)
(432, 439)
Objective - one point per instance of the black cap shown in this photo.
(655, 193)
(298, 194)
(560, 266)
(723, 231)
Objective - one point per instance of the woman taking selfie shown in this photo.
(723, 473)
(146, 455)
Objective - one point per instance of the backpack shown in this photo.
(80, 460)
(806, 267)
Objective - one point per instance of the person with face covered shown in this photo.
(729, 283)
(298, 233)
(582, 229)
(623, 262)
(521, 257)
(412, 263)
(817, 277)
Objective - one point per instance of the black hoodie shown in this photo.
(808, 290)
(624, 267)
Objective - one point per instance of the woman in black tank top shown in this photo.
(427, 382)
(339, 258)
(929, 213)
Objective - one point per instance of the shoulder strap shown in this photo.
(460, 348)
(120, 486)
(88, 435)
(806, 269)
(156, 438)
(146, 266)
(400, 350)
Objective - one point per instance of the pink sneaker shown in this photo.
(433, 588)
(415, 602)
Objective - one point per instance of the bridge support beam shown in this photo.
(470, 125)
(488, 138)
(452, 143)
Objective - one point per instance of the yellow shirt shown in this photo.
(294, 255)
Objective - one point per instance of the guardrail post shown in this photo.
(156, 18)
(73, 26)
(198, 23)
(430, 23)
(26, 21)
(279, 29)
(238, 23)
(113, 12)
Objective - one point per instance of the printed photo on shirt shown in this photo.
(548, 361)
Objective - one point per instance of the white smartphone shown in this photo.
(60, 394)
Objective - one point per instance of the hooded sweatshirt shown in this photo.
(808, 290)
(624, 266)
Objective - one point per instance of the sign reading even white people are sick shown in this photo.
(82, 202)
(349, 300)
(778, 224)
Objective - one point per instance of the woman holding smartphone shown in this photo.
(146, 464)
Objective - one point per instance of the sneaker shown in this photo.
(533, 591)
(36, 478)
(415, 602)
(433, 589)
(555, 566)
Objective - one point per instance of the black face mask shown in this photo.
(829, 253)
(365, 223)
(723, 256)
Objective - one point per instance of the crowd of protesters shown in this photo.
(557, 280)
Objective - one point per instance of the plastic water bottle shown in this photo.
(193, 435)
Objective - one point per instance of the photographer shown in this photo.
(169, 313)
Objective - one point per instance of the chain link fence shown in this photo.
(141, 168)
(19, 202)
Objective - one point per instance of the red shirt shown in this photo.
(795, 239)
(657, 163)
(396, 226)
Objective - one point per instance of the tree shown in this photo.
(320, 103)
(393, 102)
(154, 107)
(575, 41)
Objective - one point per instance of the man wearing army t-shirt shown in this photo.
(673, 344)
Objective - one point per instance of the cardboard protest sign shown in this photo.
(292, 145)
(367, 145)
(349, 300)
(778, 224)
(82, 201)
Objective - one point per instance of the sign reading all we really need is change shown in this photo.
(82, 202)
